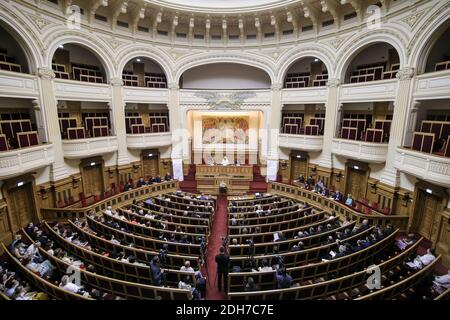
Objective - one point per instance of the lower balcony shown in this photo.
(149, 140)
(360, 150)
(426, 166)
(82, 148)
(19, 161)
(300, 142)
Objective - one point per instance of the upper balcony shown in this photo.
(145, 95)
(432, 85)
(18, 161)
(149, 140)
(301, 142)
(304, 95)
(371, 152)
(18, 85)
(426, 166)
(89, 147)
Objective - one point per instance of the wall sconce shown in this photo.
(43, 192)
(75, 181)
(136, 167)
(338, 176)
(405, 199)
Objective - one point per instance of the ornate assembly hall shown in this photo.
(233, 150)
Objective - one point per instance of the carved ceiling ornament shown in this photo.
(40, 22)
(412, 19)
(225, 101)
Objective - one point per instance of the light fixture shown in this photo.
(356, 167)
(92, 163)
(20, 184)
(299, 156)
(316, 60)
(429, 191)
(61, 46)
(138, 60)
(150, 154)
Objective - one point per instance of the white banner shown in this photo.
(177, 166)
(272, 170)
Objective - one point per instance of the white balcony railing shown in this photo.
(300, 142)
(426, 166)
(149, 140)
(18, 85)
(81, 148)
(19, 161)
(144, 95)
(302, 95)
(433, 85)
(359, 150)
(382, 90)
(82, 91)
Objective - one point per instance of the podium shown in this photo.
(237, 178)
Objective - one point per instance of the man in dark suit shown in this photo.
(223, 264)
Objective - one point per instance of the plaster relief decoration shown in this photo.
(225, 101)
(412, 20)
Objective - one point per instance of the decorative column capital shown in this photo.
(406, 73)
(36, 105)
(333, 83)
(276, 86)
(116, 82)
(46, 73)
(415, 106)
(173, 86)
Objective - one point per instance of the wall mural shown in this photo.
(233, 130)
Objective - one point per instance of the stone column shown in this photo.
(39, 120)
(118, 113)
(273, 132)
(178, 132)
(48, 102)
(332, 108)
(391, 176)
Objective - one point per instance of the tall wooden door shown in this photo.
(21, 206)
(93, 180)
(356, 183)
(426, 213)
(299, 166)
(150, 166)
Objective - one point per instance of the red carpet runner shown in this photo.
(218, 230)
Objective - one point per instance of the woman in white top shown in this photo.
(187, 267)
(69, 286)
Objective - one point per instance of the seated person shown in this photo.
(223, 187)
(301, 179)
(237, 162)
(167, 177)
(187, 267)
(441, 283)
(140, 182)
(284, 280)
(225, 161)
(349, 200)
(422, 261)
(250, 285)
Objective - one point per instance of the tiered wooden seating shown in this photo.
(76, 133)
(8, 63)
(423, 142)
(321, 80)
(86, 73)
(46, 286)
(60, 71)
(130, 121)
(369, 72)
(440, 66)
(11, 128)
(130, 79)
(28, 139)
(297, 80)
(349, 133)
(155, 80)
(374, 135)
(392, 73)
(124, 289)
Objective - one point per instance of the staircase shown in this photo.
(189, 184)
(259, 182)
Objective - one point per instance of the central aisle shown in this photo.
(218, 230)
